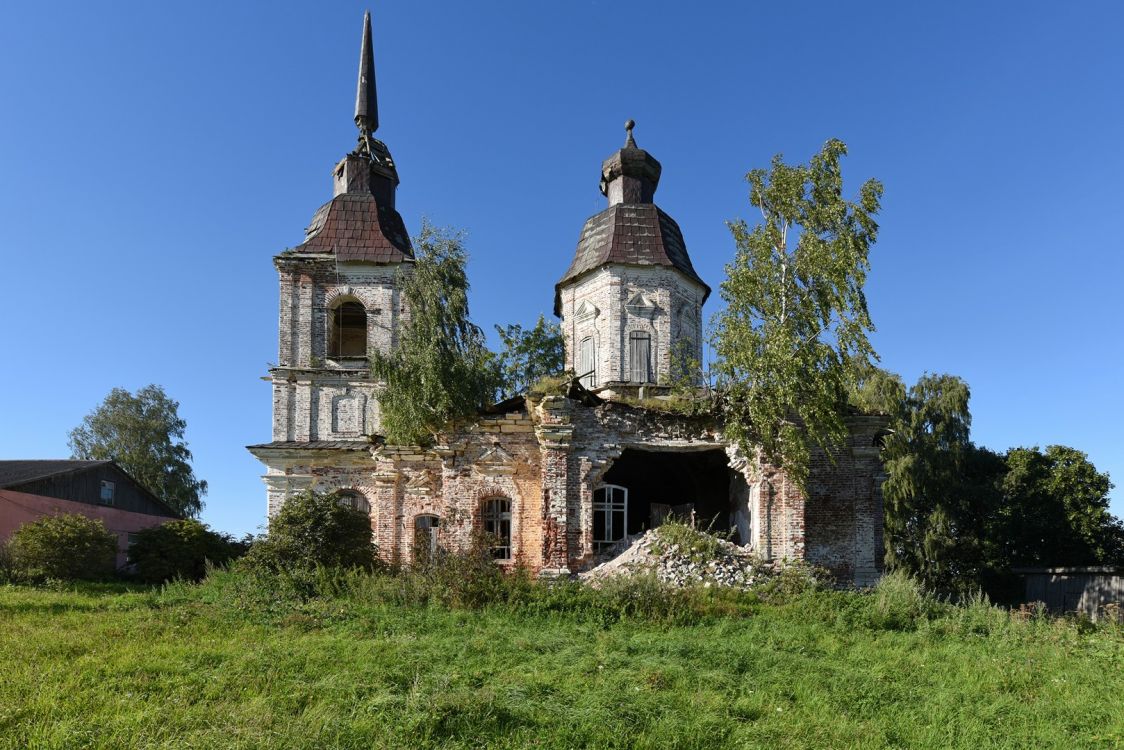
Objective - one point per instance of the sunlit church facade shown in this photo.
(555, 480)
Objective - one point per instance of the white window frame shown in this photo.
(110, 497)
(590, 380)
(615, 500)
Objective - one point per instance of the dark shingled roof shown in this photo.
(353, 226)
(630, 233)
(13, 473)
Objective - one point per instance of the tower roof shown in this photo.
(360, 223)
(632, 230)
(355, 226)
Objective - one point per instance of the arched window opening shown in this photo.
(347, 331)
(496, 515)
(425, 537)
(610, 514)
(354, 500)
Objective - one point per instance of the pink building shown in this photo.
(30, 490)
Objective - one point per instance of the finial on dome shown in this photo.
(629, 142)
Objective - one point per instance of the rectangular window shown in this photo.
(497, 524)
(610, 516)
(640, 357)
(107, 490)
(587, 368)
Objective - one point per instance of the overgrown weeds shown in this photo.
(474, 583)
(682, 538)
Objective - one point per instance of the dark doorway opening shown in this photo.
(664, 484)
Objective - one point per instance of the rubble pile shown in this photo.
(683, 559)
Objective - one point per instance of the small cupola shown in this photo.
(631, 174)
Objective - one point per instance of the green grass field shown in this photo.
(199, 667)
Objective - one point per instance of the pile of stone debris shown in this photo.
(683, 559)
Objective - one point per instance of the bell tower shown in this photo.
(338, 301)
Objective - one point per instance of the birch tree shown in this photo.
(794, 330)
(144, 434)
(441, 372)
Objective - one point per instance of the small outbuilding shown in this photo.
(1086, 590)
(102, 490)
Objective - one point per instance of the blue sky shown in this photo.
(154, 157)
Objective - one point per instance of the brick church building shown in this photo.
(557, 478)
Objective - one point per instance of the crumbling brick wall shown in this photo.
(548, 459)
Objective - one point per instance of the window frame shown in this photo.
(634, 336)
(334, 346)
(497, 521)
(609, 507)
(102, 487)
(355, 500)
(588, 380)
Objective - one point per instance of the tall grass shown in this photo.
(423, 658)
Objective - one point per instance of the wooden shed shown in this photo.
(1086, 590)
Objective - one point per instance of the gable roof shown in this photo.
(23, 471)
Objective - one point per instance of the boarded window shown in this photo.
(640, 357)
(587, 368)
(497, 524)
(347, 335)
(425, 537)
(610, 511)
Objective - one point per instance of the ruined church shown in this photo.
(556, 480)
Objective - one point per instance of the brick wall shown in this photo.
(315, 396)
(548, 459)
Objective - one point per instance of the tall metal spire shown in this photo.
(366, 98)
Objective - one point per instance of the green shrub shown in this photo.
(900, 602)
(314, 530)
(792, 580)
(7, 569)
(465, 579)
(180, 549)
(976, 615)
(67, 547)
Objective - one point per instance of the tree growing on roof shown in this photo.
(441, 371)
(143, 433)
(794, 330)
(529, 355)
